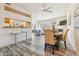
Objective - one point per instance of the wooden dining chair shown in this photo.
(64, 37)
(49, 39)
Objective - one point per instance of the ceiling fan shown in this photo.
(46, 8)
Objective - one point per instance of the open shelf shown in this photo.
(14, 10)
(12, 23)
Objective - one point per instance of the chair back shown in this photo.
(65, 34)
(49, 36)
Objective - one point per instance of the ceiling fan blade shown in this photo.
(46, 8)
(49, 8)
(48, 11)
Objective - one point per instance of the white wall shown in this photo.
(6, 38)
(73, 32)
(76, 33)
(1, 15)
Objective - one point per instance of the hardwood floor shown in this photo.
(35, 47)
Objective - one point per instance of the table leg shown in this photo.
(57, 44)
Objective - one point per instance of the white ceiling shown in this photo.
(59, 9)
